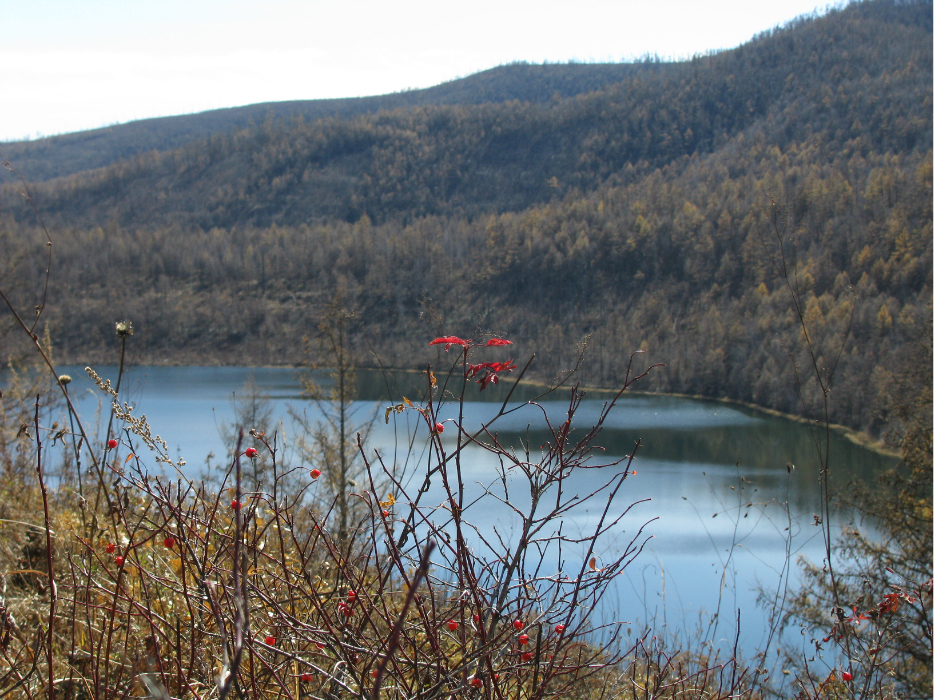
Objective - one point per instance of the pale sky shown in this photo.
(69, 65)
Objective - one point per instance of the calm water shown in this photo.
(701, 466)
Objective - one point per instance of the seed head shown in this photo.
(124, 329)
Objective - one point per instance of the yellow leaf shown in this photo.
(431, 378)
(593, 563)
(410, 404)
(388, 411)
(128, 458)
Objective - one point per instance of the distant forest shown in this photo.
(634, 207)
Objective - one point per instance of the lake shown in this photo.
(715, 476)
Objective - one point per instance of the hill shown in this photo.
(639, 213)
(58, 156)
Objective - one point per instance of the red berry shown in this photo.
(476, 619)
(452, 625)
(307, 677)
(847, 676)
(385, 513)
(351, 596)
(320, 645)
(119, 561)
(476, 682)
(315, 473)
(111, 548)
(523, 639)
(112, 444)
(439, 428)
(559, 629)
(270, 640)
(374, 673)
(169, 542)
(347, 610)
(518, 625)
(235, 504)
(528, 656)
(250, 452)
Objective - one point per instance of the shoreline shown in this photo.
(854, 436)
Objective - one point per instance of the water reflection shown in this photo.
(713, 477)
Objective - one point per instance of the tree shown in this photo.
(332, 443)
(881, 627)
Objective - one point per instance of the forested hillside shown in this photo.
(57, 156)
(638, 212)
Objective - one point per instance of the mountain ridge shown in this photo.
(515, 81)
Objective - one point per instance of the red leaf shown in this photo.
(493, 342)
(448, 341)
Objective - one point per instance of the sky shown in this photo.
(68, 66)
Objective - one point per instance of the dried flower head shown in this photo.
(64, 379)
(124, 329)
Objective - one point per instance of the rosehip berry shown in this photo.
(347, 610)
(374, 673)
(270, 641)
(235, 504)
(528, 656)
(847, 676)
(476, 619)
(351, 596)
(439, 428)
(112, 444)
(518, 625)
(119, 561)
(559, 629)
(169, 542)
(250, 452)
(476, 682)
(523, 639)
(385, 513)
(315, 473)
(111, 548)
(452, 625)
(307, 677)
(320, 645)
